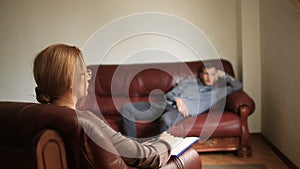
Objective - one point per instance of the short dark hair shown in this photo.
(205, 65)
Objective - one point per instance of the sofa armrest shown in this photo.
(242, 104)
(235, 101)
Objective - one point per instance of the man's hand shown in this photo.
(220, 73)
(182, 107)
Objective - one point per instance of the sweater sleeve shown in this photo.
(132, 152)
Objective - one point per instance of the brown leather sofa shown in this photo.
(113, 85)
(50, 137)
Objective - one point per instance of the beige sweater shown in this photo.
(133, 153)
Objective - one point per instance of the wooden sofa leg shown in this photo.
(244, 152)
(245, 149)
(50, 151)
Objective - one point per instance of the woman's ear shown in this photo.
(71, 84)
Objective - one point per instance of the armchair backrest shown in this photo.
(22, 124)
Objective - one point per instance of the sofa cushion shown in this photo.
(229, 124)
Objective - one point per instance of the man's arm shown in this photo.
(182, 107)
(175, 96)
(233, 84)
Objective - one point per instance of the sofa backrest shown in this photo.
(113, 85)
(20, 127)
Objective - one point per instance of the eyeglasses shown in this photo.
(88, 73)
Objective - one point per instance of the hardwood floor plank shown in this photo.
(262, 153)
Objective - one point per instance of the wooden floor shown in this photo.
(261, 154)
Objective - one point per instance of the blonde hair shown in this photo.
(54, 70)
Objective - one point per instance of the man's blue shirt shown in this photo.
(198, 97)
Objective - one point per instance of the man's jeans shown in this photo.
(145, 111)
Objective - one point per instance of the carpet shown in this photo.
(235, 166)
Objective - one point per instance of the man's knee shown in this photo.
(126, 110)
(166, 120)
(165, 123)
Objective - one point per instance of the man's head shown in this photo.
(208, 74)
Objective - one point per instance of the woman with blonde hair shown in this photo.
(56, 69)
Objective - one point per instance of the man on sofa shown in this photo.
(190, 97)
